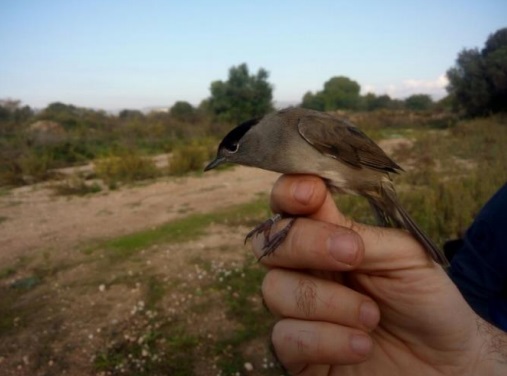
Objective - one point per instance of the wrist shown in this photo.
(491, 349)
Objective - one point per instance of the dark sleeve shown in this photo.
(479, 266)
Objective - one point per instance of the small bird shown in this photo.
(302, 141)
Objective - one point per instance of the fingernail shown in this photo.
(360, 344)
(343, 247)
(302, 191)
(368, 314)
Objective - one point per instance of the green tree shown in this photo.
(372, 102)
(478, 81)
(183, 111)
(66, 114)
(127, 114)
(419, 102)
(13, 115)
(12, 111)
(339, 93)
(314, 101)
(242, 96)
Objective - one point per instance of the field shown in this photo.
(152, 278)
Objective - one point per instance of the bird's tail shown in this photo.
(389, 212)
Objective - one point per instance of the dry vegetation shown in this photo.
(182, 297)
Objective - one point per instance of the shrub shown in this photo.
(125, 167)
(76, 185)
(190, 158)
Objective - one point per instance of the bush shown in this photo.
(76, 185)
(190, 158)
(28, 167)
(125, 167)
(453, 174)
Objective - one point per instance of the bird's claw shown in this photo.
(271, 243)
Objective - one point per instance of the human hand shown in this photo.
(360, 300)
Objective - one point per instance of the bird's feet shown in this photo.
(271, 243)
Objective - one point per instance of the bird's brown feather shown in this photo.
(341, 140)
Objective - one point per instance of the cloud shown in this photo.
(434, 87)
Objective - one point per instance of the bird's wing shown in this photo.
(343, 141)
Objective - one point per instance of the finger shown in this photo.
(388, 249)
(303, 195)
(298, 343)
(301, 296)
(313, 244)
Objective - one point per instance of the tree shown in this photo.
(418, 102)
(242, 96)
(339, 93)
(11, 110)
(478, 81)
(65, 114)
(314, 101)
(372, 102)
(127, 114)
(13, 115)
(183, 111)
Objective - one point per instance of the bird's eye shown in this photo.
(233, 148)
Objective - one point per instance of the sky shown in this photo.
(112, 55)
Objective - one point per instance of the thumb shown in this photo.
(385, 248)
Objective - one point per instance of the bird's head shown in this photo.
(238, 146)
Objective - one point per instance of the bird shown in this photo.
(296, 140)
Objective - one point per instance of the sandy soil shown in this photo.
(34, 218)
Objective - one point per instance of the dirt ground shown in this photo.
(82, 302)
(34, 218)
(54, 324)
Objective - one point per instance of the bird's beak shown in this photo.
(215, 163)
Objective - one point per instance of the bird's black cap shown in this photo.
(230, 141)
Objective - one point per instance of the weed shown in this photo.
(9, 317)
(27, 283)
(76, 185)
(155, 293)
(181, 230)
(242, 296)
(7, 272)
(453, 175)
(125, 167)
(148, 347)
(190, 158)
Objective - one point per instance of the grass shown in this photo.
(189, 158)
(453, 175)
(7, 272)
(125, 166)
(165, 351)
(241, 288)
(77, 186)
(178, 231)
(8, 313)
(156, 342)
(449, 175)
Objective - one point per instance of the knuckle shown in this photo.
(306, 297)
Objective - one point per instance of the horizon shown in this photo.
(132, 55)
